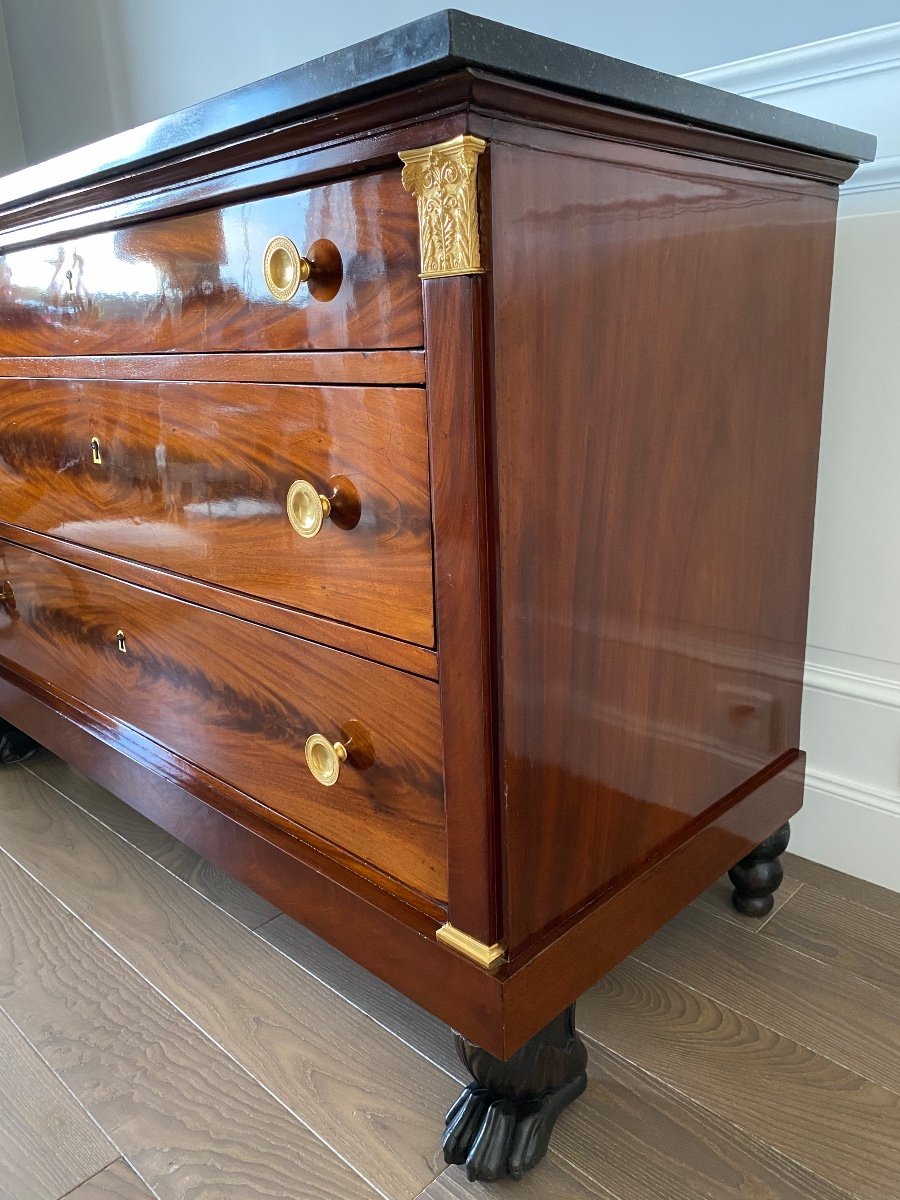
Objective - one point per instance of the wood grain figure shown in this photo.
(407, 479)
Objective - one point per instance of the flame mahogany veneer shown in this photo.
(556, 614)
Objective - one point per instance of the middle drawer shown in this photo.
(197, 478)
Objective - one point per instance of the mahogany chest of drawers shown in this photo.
(407, 476)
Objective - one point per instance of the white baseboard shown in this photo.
(851, 828)
(851, 732)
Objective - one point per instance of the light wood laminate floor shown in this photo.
(164, 1032)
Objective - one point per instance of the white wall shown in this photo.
(86, 68)
(12, 150)
(851, 726)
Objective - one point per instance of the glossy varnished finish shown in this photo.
(242, 700)
(196, 283)
(193, 478)
(613, 466)
(498, 1012)
(459, 466)
(362, 642)
(337, 366)
(659, 357)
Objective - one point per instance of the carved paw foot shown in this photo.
(15, 746)
(496, 1138)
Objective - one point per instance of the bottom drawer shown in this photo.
(240, 701)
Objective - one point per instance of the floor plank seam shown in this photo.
(859, 980)
(839, 896)
(65, 1086)
(336, 991)
(154, 1194)
(73, 1190)
(204, 1033)
(685, 1097)
(137, 849)
(779, 908)
(254, 930)
(734, 1007)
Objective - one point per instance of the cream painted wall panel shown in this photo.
(855, 603)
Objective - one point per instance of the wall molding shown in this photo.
(851, 814)
(853, 684)
(831, 60)
(854, 793)
(853, 79)
(848, 828)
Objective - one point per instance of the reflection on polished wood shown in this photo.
(197, 283)
(654, 571)
(347, 366)
(554, 608)
(194, 479)
(244, 700)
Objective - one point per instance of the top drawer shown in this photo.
(197, 282)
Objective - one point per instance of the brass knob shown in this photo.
(284, 268)
(7, 597)
(324, 759)
(306, 508)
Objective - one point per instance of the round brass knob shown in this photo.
(7, 597)
(284, 268)
(306, 508)
(324, 759)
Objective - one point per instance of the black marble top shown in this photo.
(424, 49)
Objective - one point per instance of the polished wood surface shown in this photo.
(332, 366)
(193, 479)
(602, 934)
(460, 478)
(654, 569)
(404, 655)
(587, 707)
(243, 700)
(358, 915)
(195, 282)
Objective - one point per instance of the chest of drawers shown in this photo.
(407, 476)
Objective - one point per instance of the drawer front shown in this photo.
(195, 478)
(197, 282)
(240, 701)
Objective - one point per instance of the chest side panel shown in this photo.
(660, 329)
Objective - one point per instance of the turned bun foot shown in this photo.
(758, 876)
(500, 1126)
(15, 746)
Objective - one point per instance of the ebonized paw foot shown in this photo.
(501, 1124)
(758, 876)
(15, 746)
(499, 1139)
